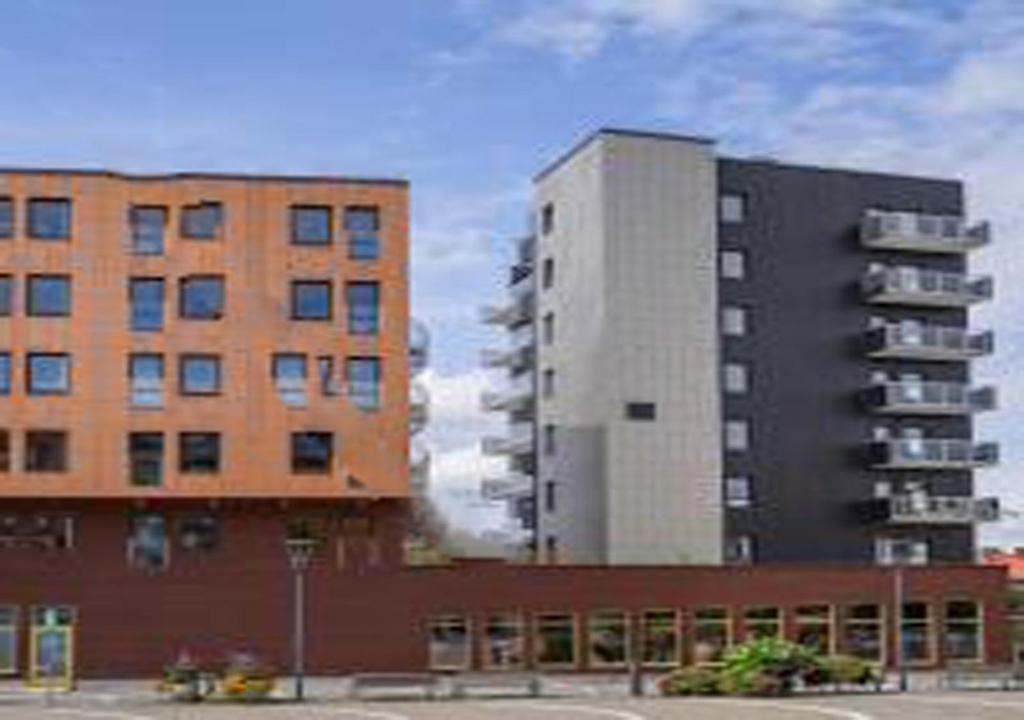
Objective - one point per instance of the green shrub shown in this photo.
(768, 666)
(849, 670)
(692, 680)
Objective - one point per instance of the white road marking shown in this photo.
(962, 701)
(100, 714)
(582, 709)
(796, 706)
(377, 715)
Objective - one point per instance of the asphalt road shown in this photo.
(917, 706)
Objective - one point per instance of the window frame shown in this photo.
(735, 378)
(612, 618)
(8, 229)
(378, 386)
(133, 318)
(183, 285)
(189, 466)
(296, 209)
(133, 544)
(542, 620)
(185, 232)
(296, 285)
(354, 323)
(804, 622)
(135, 389)
(732, 264)
(503, 620)
(134, 212)
(62, 466)
(31, 309)
(648, 630)
(10, 627)
(877, 625)
(742, 202)
(738, 501)
(134, 459)
(7, 378)
(32, 229)
(463, 622)
(7, 294)
(753, 626)
(297, 469)
(722, 625)
(977, 623)
(30, 373)
(363, 245)
(185, 358)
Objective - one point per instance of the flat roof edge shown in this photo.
(204, 175)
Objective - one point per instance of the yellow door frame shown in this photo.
(38, 679)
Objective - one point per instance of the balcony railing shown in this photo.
(913, 454)
(924, 509)
(928, 342)
(514, 311)
(930, 398)
(507, 487)
(921, 232)
(419, 407)
(517, 442)
(517, 396)
(916, 286)
(513, 358)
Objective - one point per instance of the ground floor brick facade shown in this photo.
(136, 585)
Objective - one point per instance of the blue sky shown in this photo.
(468, 98)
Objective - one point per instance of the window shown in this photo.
(548, 328)
(762, 622)
(325, 372)
(202, 221)
(6, 295)
(49, 219)
(363, 300)
(737, 435)
(199, 452)
(146, 458)
(6, 218)
(503, 642)
(864, 632)
(554, 643)
(734, 321)
(148, 223)
(146, 296)
(311, 224)
(289, 370)
(732, 208)
(733, 265)
(963, 631)
(608, 635)
(735, 378)
(5, 451)
(813, 628)
(449, 643)
(49, 295)
(901, 551)
(551, 543)
(641, 411)
(549, 439)
(547, 273)
(547, 219)
(48, 373)
(311, 300)
(5, 373)
(199, 374)
(46, 451)
(548, 383)
(739, 550)
(363, 377)
(659, 637)
(550, 489)
(363, 227)
(8, 639)
(202, 297)
(917, 633)
(148, 548)
(712, 634)
(312, 452)
(146, 373)
(198, 532)
(737, 492)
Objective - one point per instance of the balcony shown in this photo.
(914, 341)
(516, 310)
(920, 509)
(519, 441)
(928, 288)
(882, 230)
(914, 454)
(507, 487)
(929, 398)
(515, 359)
(517, 396)
(419, 407)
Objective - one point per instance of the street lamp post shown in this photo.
(898, 594)
(300, 552)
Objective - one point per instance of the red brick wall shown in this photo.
(372, 614)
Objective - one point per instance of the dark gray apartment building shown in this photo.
(725, 360)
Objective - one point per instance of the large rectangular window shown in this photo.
(312, 452)
(146, 458)
(311, 299)
(659, 633)
(148, 548)
(146, 374)
(503, 642)
(363, 377)
(813, 628)
(5, 373)
(712, 634)
(363, 227)
(864, 632)
(49, 218)
(46, 451)
(49, 295)
(5, 451)
(289, 371)
(918, 633)
(6, 295)
(363, 299)
(148, 223)
(737, 435)
(311, 224)
(146, 296)
(963, 631)
(48, 373)
(201, 297)
(202, 221)
(609, 639)
(199, 374)
(6, 217)
(449, 643)
(761, 622)
(199, 453)
(8, 639)
(554, 642)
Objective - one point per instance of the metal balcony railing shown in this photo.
(930, 398)
(924, 454)
(925, 509)
(921, 232)
(518, 395)
(514, 311)
(916, 286)
(507, 487)
(928, 342)
(519, 441)
(419, 407)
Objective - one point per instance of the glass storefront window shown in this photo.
(449, 643)
(609, 639)
(555, 640)
(503, 642)
(660, 635)
(712, 634)
(761, 622)
(963, 630)
(813, 627)
(864, 632)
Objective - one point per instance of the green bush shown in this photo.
(849, 670)
(768, 667)
(692, 680)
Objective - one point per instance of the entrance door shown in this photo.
(52, 646)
